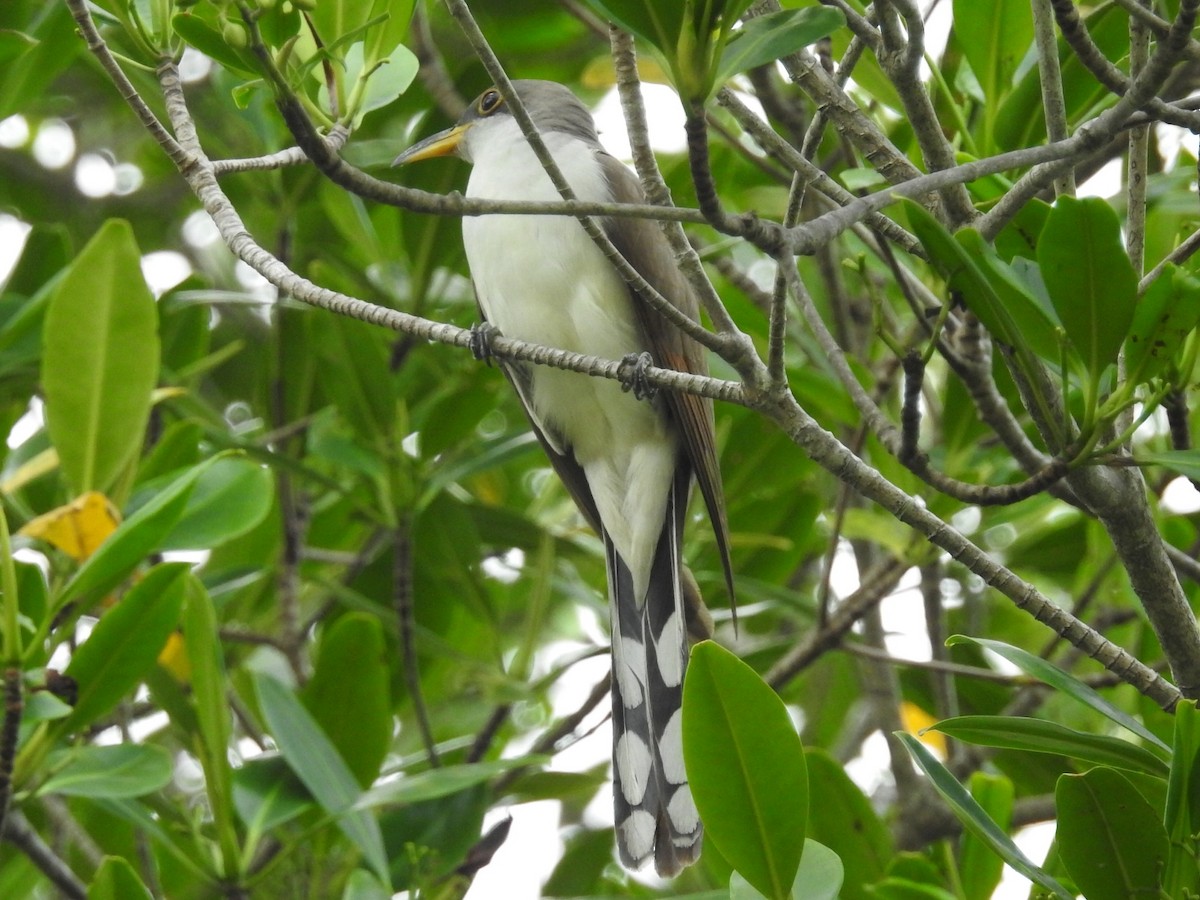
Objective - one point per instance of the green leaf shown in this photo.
(1035, 324)
(979, 868)
(124, 644)
(972, 816)
(1021, 121)
(268, 794)
(193, 26)
(316, 762)
(230, 498)
(32, 73)
(213, 714)
(1065, 682)
(120, 770)
(821, 873)
(1040, 736)
(848, 824)
(132, 542)
(100, 359)
(362, 885)
(1182, 462)
(975, 286)
(746, 768)
(384, 38)
(1165, 315)
(963, 274)
(1109, 837)
(894, 888)
(658, 22)
(995, 37)
(349, 694)
(764, 39)
(358, 364)
(116, 879)
(389, 81)
(1182, 815)
(441, 782)
(819, 877)
(1089, 277)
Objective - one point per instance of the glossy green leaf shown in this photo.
(316, 762)
(1109, 837)
(995, 37)
(194, 27)
(139, 816)
(116, 879)
(963, 274)
(821, 873)
(382, 39)
(1041, 736)
(764, 39)
(441, 782)
(1022, 120)
(32, 73)
(1182, 815)
(1166, 314)
(1182, 462)
(975, 287)
(746, 767)
(100, 359)
(349, 694)
(1089, 277)
(819, 877)
(658, 22)
(362, 885)
(135, 539)
(1037, 326)
(391, 79)
(1064, 682)
(895, 888)
(229, 499)
(848, 825)
(213, 714)
(267, 795)
(973, 817)
(979, 867)
(120, 770)
(13, 44)
(358, 363)
(124, 644)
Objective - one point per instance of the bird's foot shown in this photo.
(482, 335)
(632, 375)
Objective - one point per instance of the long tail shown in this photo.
(655, 814)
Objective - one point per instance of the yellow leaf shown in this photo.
(77, 528)
(175, 660)
(915, 719)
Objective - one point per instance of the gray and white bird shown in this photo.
(629, 463)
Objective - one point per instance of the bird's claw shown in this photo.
(482, 335)
(633, 377)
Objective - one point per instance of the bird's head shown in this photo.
(552, 107)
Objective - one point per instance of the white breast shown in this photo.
(541, 279)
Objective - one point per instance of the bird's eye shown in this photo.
(489, 101)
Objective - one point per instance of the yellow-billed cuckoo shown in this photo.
(628, 462)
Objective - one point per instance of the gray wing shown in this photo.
(643, 244)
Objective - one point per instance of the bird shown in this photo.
(628, 460)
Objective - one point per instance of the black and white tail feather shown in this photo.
(655, 813)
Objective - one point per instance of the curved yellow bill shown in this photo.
(443, 143)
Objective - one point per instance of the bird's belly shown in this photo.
(541, 279)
